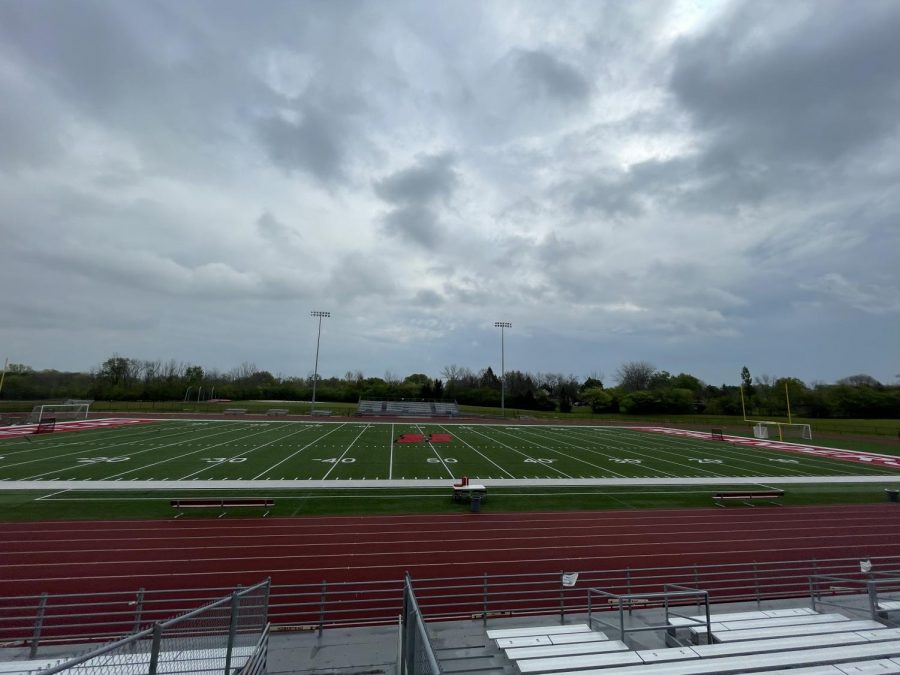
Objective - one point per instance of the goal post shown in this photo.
(60, 412)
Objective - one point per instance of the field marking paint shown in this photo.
(671, 446)
(343, 454)
(391, 463)
(477, 451)
(860, 456)
(139, 452)
(186, 454)
(247, 452)
(568, 456)
(294, 454)
(624, 446)
(75, 425)
(524, 454)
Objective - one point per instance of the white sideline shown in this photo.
(168, 485)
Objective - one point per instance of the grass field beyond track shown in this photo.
(275, 450)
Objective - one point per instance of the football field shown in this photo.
(205, 450)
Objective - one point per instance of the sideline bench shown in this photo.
(320, 413)
(234, 411)
(749, 496)
(223, 503)
(272, 412)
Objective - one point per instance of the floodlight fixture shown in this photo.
(502, 325)
(320, 315)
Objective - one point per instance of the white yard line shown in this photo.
(187, 454)
(524, 454)
(344, 454)
(246, 452)
(93, 453)
(391, 465)
(294, 454)
(478, 452)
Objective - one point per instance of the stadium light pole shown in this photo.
(501, 325)
(320, 316)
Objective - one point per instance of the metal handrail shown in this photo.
(666, 598)
(82, 617)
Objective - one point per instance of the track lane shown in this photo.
(65, 557)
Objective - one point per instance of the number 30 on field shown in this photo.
(224, 460)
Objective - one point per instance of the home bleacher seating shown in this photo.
(758, 641)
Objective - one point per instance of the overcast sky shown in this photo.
(702, 185)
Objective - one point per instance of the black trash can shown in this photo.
(892, 495)
(475, 504)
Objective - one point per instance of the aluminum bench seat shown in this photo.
(524, 641)
(872, 667)
(758, 614)
(754, 663)
(777, 621)
(801, 629)
(572, 649)
(889, 604)
(540, 640)
(569, 638)
(602, 661)
(742, 616)
(496, 633)
(789, 643)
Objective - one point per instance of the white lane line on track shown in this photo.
(488, 537)
(452, 551)
(478, 563)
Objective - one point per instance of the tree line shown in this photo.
(638, 387)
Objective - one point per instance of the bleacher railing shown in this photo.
(839, 592)
(33, 621)
(417, 655)
(672, 595)
(228, 636)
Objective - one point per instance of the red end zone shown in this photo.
(889, 461)
(77, 425)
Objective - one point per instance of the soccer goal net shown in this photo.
(59, 412)
(782, 431)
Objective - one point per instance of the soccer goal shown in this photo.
(60, 412)
(46, 426)
(782, 431)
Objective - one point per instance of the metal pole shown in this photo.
(154, 649)
(322, 606)
(38, 626)
(485, 600)
(320, 315)
(232, 630)
(138, 610)
(562, 599)
(501, 325)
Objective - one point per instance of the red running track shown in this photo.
(70, 557)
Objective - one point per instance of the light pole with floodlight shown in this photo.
(320, 316)
(501, 325)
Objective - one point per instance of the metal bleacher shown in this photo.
(408, 408)
(793, 640)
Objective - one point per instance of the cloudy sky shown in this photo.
(699, 184)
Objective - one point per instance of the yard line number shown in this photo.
(102, 460)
